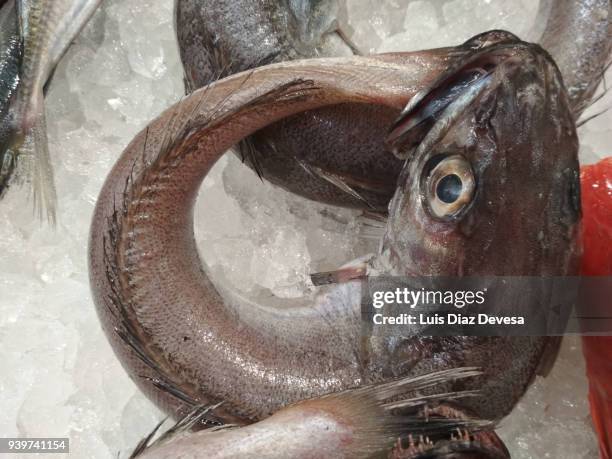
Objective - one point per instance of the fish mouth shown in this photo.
(433, 109)
(461, 444)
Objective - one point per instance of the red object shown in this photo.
(596, 181)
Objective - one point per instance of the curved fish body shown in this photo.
(358, 423)
(185, 343)
(42, 31)
(337, 155)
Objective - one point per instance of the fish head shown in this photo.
(490, 185)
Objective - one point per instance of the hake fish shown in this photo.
(35, 34)
(186, 343)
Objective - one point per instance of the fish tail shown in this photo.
(43, 184)
(31, 143)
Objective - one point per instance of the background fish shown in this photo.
(10, 62)
(336, 155)
(35, 34)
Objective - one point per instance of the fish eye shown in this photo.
(449, 186)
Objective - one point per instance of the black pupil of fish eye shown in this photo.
(448, 188)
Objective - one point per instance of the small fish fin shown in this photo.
(33, 148)
(182, 426)
(583, 121)
(146, 441)
(250, 155)
(43, 185)
(377, 422)
(335, 180)
(374, 218)
(372, 225)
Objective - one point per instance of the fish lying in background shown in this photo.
(220, 38)
(337, 154)
(332, 154)
(34, 34)
(354, 424)
(498, 120)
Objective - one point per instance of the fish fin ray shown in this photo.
(33, 147)
(335, 180)
(183, 425)
(592, 117)
(43, 184)
(250, 155)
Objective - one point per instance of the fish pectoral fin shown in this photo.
(337, 180)
(250, 155)
(372, 225)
